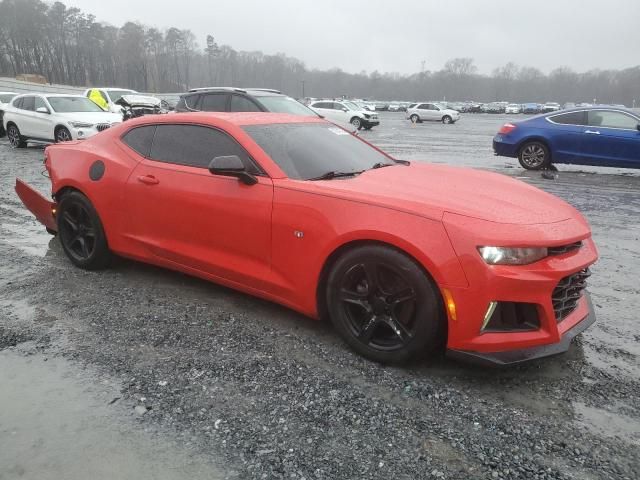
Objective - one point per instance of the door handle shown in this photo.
(148, 180)
(592, 132)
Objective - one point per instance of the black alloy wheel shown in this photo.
(80, 232)
(384, 305)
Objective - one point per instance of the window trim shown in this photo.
(586, 110)
(261, 171)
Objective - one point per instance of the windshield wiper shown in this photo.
(334, 174)
(381, 165)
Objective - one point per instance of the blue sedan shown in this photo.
(589, 136)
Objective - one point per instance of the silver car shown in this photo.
(422, 112)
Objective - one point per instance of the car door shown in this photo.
(42, 123)
(213, 102)
(342, 113)
(423, 111)
(181, 213)
(24, 117)
(433, 112)
(243, 104)
(565, 132)
(611, 139)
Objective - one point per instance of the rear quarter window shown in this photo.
(140, 139)
(570, 118)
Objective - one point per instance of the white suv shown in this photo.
(58, 118)
(432, 112)
(344, 113)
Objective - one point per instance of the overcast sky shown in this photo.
(397, 35)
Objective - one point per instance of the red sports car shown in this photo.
(402, 257)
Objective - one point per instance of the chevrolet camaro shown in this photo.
(403, 257)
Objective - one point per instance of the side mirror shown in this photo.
(344, 109)
(42, 110)
(638, 127)
(232, 166)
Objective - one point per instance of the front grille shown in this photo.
(564, 248)
(566, 295)
(102, 126)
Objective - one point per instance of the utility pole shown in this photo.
(422, 65)
(303, 82)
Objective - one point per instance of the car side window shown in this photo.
(338, 106)
(243, 104)
(610, 119)
(28, 103)
(140, 139)
(17, 102)
(214, 102)
(571, 118)
(325, 105)
(191, 101)
(423, 106)
(39, 103)
(196, 146)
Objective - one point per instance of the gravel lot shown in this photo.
(235, 387)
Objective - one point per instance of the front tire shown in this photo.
(15, 138)
(63, 134)
(383, 305)
(447, 120)
(414, 118)
(356, 122)
(81, 234)
(534, 156)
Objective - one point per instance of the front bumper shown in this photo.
(370, 122)
(511, 357)
(537, 287)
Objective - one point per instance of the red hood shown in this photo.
(430, 190)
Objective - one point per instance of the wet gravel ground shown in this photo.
(269, 394)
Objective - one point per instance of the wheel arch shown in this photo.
(535, 138)
(340, 250)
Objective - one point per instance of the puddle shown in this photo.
(53, 425)
(31, 239)
(609, 424)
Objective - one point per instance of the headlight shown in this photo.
(512, 256)
(366, 115)
(81, 124)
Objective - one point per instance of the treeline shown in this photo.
(71, 47)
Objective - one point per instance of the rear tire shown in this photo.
(414, 118)
(80, 232)
(534, 156)
(16, 140)
(384, 305)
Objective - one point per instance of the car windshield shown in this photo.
(282, 104)
(73, 104)
(6, 97)
(309, 150)
(116, 95)
(352, 106)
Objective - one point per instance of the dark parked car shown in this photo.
(224, 99)
(590, 136)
